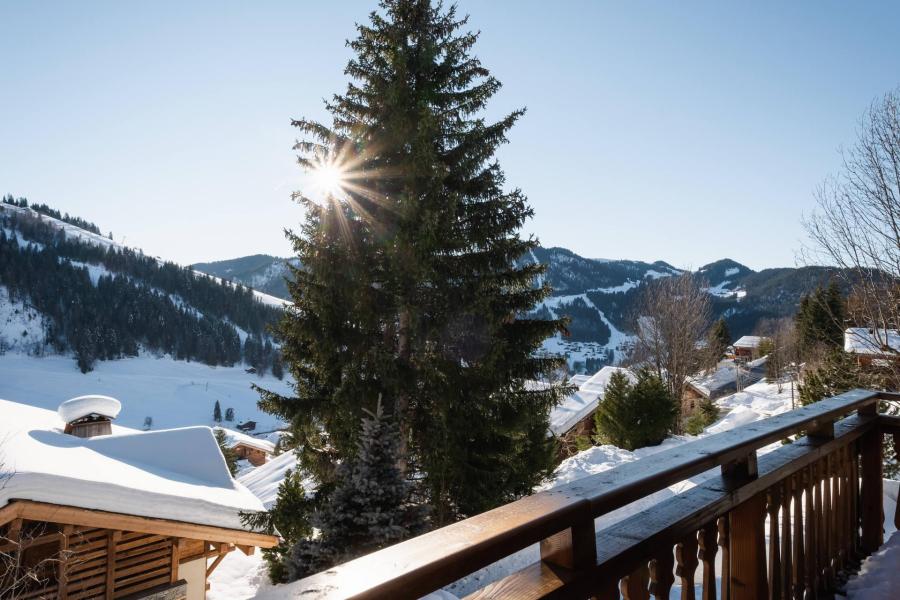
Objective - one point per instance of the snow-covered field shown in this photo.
(173, 393)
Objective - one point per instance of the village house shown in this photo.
(872, 346)
(574, 416)
(727, 378)
(92, 510)
(249, 448)
(748, 347)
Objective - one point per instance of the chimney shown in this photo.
(87, 416)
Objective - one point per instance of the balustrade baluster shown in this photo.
(786, 559)
(686, 557)
(896, 439)
(636, 586)
(828, 523)
(706, 540)
(798, 574)
(661, 576)
(773, 503)
(726, 557)
(809, 521)
(854, 503)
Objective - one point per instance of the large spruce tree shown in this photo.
(411, 286)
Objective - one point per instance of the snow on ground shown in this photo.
(173, 393)
(877, 578)
(21, 328)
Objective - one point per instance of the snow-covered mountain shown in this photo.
(601, 296)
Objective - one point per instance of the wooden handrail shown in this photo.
(562, 518)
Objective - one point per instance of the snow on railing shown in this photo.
(784, 525)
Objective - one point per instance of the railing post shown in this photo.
(574, 548)
(871, 505)
(747, 536)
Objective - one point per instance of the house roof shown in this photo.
(749, 341)
(862, 340)
(584, 401)
(129, 472)
(236, 438)
(723, 380)
(265, 479)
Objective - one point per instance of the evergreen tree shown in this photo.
(610, 418)
(821, 318)
(291, 522)
(635, 415)
(409, 287)
(838, 373)
(719, 338)
(369, 508)
(229, 414)
(217, 412)
(228, 453)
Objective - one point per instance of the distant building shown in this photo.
(727, 378)
(574, 416)
(247, 426)
(93, 510)
(249, 448)
(748, 347)
(872, 346)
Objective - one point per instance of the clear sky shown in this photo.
(685, 131)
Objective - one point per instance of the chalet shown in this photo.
(873, 346)
(249, 448)
(748, 347)
(92, 510)
(727, 378)
(574, 416)
(247, 426)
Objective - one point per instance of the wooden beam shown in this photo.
(871, 503)
(215, 563)
(747, 541)
(249, 550)
(111, 541)
(62, 574)
(69, 515)
(8, 513)
(176, 551)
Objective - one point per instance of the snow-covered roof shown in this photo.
(233, 438)
(85, 406)
(176, 474)
(264, 480)
(749, 341)
(584, 401)
(723, 379)
(862, 340)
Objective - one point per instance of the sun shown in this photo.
(328, 179)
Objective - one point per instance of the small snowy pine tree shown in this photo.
(368, 509)
(217, 412)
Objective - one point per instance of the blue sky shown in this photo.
(685, 131)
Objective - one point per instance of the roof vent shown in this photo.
(87, 416)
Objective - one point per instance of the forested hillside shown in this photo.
(101, 301)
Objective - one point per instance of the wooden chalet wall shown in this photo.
(76, 563)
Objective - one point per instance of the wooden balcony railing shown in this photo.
(819, 499)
